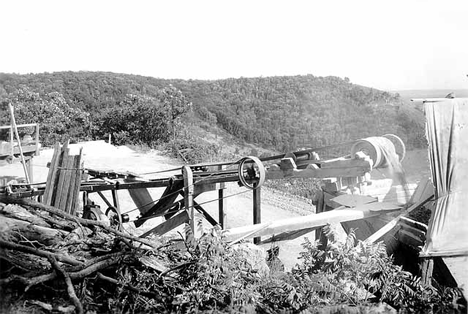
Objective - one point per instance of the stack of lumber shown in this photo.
(64, 179)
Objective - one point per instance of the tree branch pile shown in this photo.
(51, 261)
(56, 261)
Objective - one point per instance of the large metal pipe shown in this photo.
(381, 149)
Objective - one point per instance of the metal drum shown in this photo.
(380, 149)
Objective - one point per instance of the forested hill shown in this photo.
(282, 113)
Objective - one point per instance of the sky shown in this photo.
(389, 45)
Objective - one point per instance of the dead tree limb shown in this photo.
(10, 227)
(68, 282)
(32, 281)
(30, 250)
(84, 222)
(62, 224)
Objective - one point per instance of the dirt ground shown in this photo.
(100, 155)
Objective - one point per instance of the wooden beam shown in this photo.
(312, 221)
(61, 172)
(163, 204)
(15, 128)
(168, 225)
(389, 226)
(115, 199)
(313, 171)
(205, 214)
(257, 209)
(51, 176)
(188, 200)
(287, 236)
(142, 199)
(221, 204)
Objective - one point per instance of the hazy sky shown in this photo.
(390, 45)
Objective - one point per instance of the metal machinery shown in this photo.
(250, 172)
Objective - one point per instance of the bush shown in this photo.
(145, 120)
(57, 119)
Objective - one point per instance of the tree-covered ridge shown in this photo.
(283, 113)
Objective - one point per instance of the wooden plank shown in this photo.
(60, 174)
(166, 202)
(389, 226)
(106, 186)
(328, 199)
(168, 225)
(362, 228)
(353, 200)
(18, 125)
(409, 238)
(312, 171)
(304, 222)
(51, 176)
(29, 167)
(142, 199)
(424, 189)
(205, 214)
(67, 174)
(77, 183)
(458, 269)
(413, 223)
(15, 128)
(70, 202)
(287, 236)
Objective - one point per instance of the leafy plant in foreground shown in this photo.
(355, 272)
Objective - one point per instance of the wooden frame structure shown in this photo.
(197, 179)
(14, 148)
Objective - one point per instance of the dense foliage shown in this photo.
(58, 120)
(209, 275)
(213, 276)
(281, 113)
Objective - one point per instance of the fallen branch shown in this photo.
(64, 225)
(82, 221)
(47, 236)
(70, 288)
(32, 281)
(30, 250)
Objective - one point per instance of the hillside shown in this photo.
(279, 113)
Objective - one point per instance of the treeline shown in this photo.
(282, 113)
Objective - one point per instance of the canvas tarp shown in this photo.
(447, 134)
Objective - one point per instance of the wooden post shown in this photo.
(115, 198)
(188, 199)
(14, 128)
(37, 139)
(320, 207)
(221, 201)
(427, 267)
(257, 212)
(29, 167)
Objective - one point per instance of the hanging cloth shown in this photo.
(447, 134)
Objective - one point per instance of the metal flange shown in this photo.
(251, 172)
